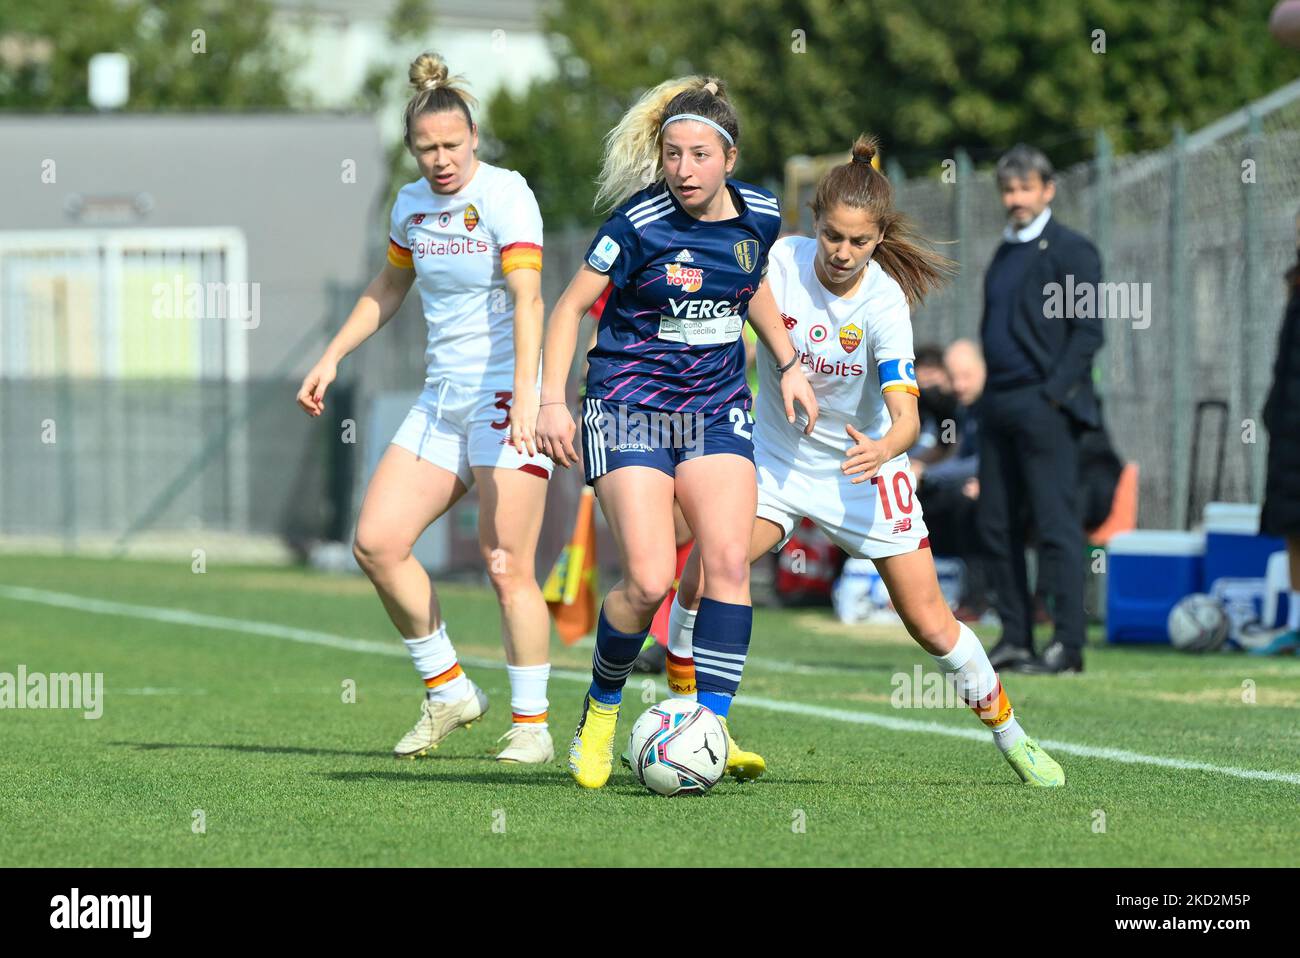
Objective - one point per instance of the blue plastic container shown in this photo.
(1234, 549)
(1148, 570)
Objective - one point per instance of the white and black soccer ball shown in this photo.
(678, 747)
(1197, 623)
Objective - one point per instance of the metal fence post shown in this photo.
(1249, 341)
(1181, 408)
(961, 216)
(1101, 206)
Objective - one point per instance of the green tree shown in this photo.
(236, 63)
(926, 76)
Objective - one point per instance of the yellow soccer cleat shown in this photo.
(741, 765)
(1034, 766)
(591, 753)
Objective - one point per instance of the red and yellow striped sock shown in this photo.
(995, 708)
(681, 676)
(519, 719)
(444, 686)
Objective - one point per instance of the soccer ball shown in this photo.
(678, 747)
(1197, 623)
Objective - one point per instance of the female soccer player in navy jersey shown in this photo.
(667, 407)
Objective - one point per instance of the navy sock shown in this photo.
(612, 660)
(721, 643)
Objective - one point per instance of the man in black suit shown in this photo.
(1037, 400)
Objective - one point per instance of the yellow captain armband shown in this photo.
(399, 256)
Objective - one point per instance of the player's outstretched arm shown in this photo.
(765, 318)
(555, 425)
(376, 306)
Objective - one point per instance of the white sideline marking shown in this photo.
(893, 723)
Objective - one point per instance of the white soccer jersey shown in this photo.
(853, 350)
(461, 247)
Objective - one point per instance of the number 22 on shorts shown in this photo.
(740, 418)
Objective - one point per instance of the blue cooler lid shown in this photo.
(1233, 518)
(1157, 542)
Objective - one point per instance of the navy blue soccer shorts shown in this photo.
(618, 434)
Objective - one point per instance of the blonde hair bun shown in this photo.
(428, 72)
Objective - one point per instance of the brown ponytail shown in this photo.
(902, 252)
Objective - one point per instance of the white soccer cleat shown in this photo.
(440, 719)
(529, 745)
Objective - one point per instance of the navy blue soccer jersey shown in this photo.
(669, 337)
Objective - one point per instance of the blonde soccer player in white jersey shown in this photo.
(469, 236)
(844, 296)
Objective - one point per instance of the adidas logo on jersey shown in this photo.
(685, 257)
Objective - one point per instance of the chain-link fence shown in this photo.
(1205, 228)
(1199, 234)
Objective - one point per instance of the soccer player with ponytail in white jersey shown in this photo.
(469, 236)
(667, 410)
(844, 296)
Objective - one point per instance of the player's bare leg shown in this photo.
(637, 502)
(405, 495)
(724, 530)
(914, 590)
(511, 504)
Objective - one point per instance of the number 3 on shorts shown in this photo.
(739, 419)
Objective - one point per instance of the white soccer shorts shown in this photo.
(459, 428)
(871, 520)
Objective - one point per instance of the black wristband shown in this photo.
(790, 365)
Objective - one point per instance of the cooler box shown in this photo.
(1148, 570)
(1234, 549)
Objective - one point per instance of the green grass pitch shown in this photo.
(251, 730)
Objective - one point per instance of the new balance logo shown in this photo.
(902, 525)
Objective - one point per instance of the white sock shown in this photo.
(528, 693)
(433, 656)
(1293, 611)
(681, 630)
(681, 645)
(976, 681)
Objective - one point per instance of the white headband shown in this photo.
(702, 119)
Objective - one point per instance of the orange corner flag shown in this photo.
(570, 589)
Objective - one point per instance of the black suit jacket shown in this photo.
(1062, 348)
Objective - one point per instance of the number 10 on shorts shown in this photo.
(898, 486)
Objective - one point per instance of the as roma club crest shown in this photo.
(746, 254)
(471, 217)
(850, 336)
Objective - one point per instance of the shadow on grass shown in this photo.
(266, 749)
(539, 778)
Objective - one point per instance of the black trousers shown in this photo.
(1029, 457)
(950, 517)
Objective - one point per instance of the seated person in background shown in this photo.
(936, 405)
(950, 486)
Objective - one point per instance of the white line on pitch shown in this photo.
(893, 723)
